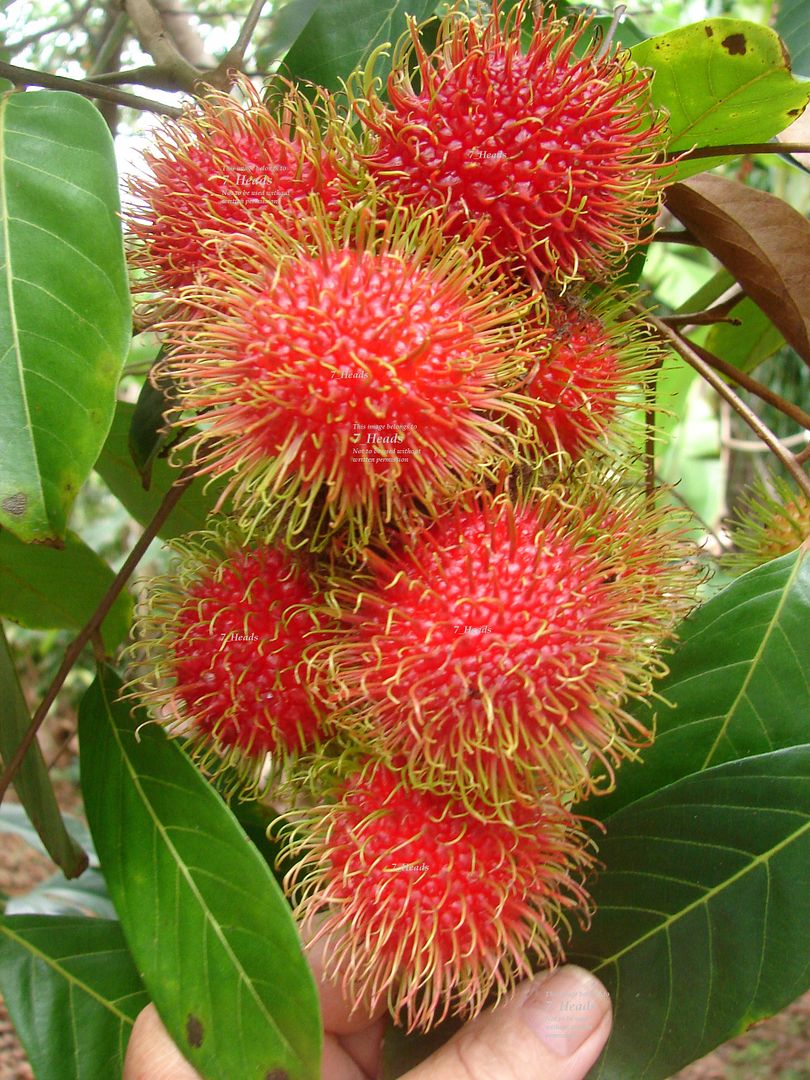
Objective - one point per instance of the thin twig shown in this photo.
(803, 456)
(65, 24)
(74, 650)
(27, 77)
(689, 354)
(718, 313)
(676, 236)
(754, 446)
(236, 54)
(739, 149)
(607, 41)
(753, 386)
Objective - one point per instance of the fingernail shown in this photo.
(565, 1009)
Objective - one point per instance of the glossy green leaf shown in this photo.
(747, 344)
(342, 33)
(721, 81)
(72, 992)
(47, 588)
(117, 470)
(31, 782)
(204, 917)
(148, 433)
(738, 685)
(64, 304)
(287, 24)
(793, 26)
(703, 912)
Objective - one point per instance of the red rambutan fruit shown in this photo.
(556, 153)
(772, 520)
(426, 906)
(591, 375)
(218, 172)
(219, 652)
(495, 649)
(340, 376)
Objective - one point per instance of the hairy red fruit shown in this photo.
(216, 174)
(773, 520)
(556, 153)
(221, 645)
(340, 377)
(495, 649)
(428, 907)
(596, 355)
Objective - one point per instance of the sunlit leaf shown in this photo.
(205, 919)
(64, 304)
(721, 81)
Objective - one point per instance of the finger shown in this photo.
(337, 1063)
(151, 1054)
(365, 1047)
(340, 1016)
(552, 1028)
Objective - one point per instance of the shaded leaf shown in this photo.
(738, 685)
(64, 304)
(342, 33)
(14, 820)
(745, 345)
(286, 25)
(703, 912)
(721, 81)
(32, 783)
(72, 992)
(116, 468)
(204, 918)
(57, 896)
(793, 26)
(764, 242)
(148, 433)
(47, 588)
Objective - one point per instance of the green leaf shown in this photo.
(116, 468)
(72, 992)
(205, 920)
(148, 433)
(703, 912)
(47, 588)
(342, 33)
(64, 304)
(31, 782)
(721, 81)
(287, 24)
(749, 343)
(738, 685)
(793, 26)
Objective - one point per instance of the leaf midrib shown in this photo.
(707, 897)
(209, 918)
(71, 979)
(753, 666)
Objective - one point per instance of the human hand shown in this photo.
(552, 1028)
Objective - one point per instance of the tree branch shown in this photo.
(687, 352)
(26, 77)
(32, 39)
(718, 313)
(235, 55)
(753, 386)
(738, 149)
(74, 650)
(155, 40)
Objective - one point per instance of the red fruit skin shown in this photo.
(495, 650)
(225, 633)
(338, 385)
(555, 153)
(428, 907)
(595, 356)
(216, 176)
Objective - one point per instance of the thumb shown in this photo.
(552, 1028)
(151, 1054)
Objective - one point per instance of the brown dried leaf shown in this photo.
(764, 242)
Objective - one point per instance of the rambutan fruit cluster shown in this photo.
(435, 582)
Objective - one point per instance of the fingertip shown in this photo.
(151, 1054)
